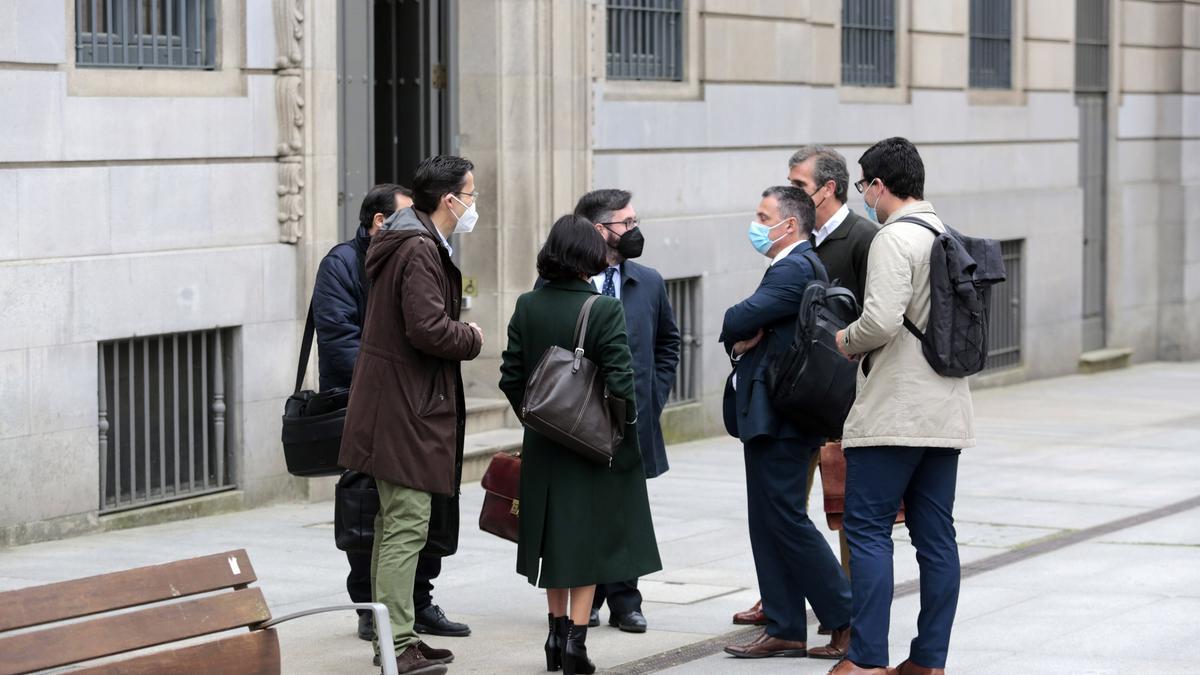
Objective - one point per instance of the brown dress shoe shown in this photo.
(910, 668)
(751, 617)
(411, 662)
(839, 645)
(847, 667)
(764, 646)
(435, 655)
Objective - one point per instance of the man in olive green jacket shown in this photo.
(904, 433)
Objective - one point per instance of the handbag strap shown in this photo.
(581, 324)
(305, 348)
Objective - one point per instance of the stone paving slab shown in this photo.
(1055, 457)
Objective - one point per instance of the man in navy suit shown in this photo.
(792, 559)
(654, 341)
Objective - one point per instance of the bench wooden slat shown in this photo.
(253, 652)
(91, 595)
(120, 633)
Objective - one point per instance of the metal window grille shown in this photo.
(991, 44)
(1004, 316)
(1091, 45)
(685, 302)
(146, 33)
(869, 43)
(645, 40)
(163, 434)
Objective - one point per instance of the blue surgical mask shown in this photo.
(760, 235)
(871, 209)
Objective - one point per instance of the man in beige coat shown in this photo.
(905, 431)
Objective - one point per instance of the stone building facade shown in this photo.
(152, 216)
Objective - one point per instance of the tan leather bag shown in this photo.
(567, 400)
(833, 484)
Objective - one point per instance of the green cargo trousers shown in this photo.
(400, 531)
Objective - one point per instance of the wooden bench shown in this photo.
(165, 604)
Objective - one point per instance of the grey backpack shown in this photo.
(962, 271)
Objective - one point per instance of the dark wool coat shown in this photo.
(581, 523)
(406, 416)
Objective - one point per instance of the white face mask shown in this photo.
(466, 222)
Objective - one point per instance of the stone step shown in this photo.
(478, 449)
(1100, 360)
(486, 414)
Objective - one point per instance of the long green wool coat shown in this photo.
(587, 523)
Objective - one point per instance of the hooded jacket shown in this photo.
(406, 416)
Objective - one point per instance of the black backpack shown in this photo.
(810, 382)
(962, 271)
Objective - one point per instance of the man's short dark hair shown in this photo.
(794, 203)
(573, 249)
(599, 205)
(830, 165)
(895, 162)
(437, 177)
(380, 199)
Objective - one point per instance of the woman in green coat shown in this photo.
(582, 523)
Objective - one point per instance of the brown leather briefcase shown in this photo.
(833, 485)
(501, 513)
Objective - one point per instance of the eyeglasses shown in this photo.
(629, 223)
(862, 185)
(473, 195)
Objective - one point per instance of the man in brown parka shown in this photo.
(406, 416)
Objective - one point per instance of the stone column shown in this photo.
(525, 121)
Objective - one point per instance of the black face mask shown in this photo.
(630, 244)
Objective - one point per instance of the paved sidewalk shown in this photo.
(1056, 457)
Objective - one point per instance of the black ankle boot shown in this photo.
(555, 641)
(574, 657)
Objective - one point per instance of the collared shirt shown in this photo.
(598, 280)
(786, 250)
(444, 242)
(830, 225)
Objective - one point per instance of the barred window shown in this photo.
(1091, 46)
(162, 424)
(146, 33)
(1004, 315)
(645, 40)
(991, 44)
(869, 43)
(684, 295)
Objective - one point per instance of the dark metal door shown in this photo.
(356, 115)
(1093, 178)
(1091, 86)
(410, 82)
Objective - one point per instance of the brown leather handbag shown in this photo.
(501, 513)
(567, 400)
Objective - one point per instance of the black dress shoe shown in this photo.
(432, 621)
(594, 619)
(366, 627)
(633, 622)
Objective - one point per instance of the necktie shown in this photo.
(609, 288)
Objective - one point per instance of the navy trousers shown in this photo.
(876, 479)
(792, 559)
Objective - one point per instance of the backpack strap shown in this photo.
(305, 348)
(912, 328)
(817, 266)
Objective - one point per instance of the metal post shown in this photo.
(162, 424)
(146, 414)
(132, 424)
(218, 408)
(175, 403)
(102, 378)
(204, 449)
(191, 417)
(116, 427)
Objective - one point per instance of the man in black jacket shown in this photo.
(339, 309)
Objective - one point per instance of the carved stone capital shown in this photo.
(289, 117)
